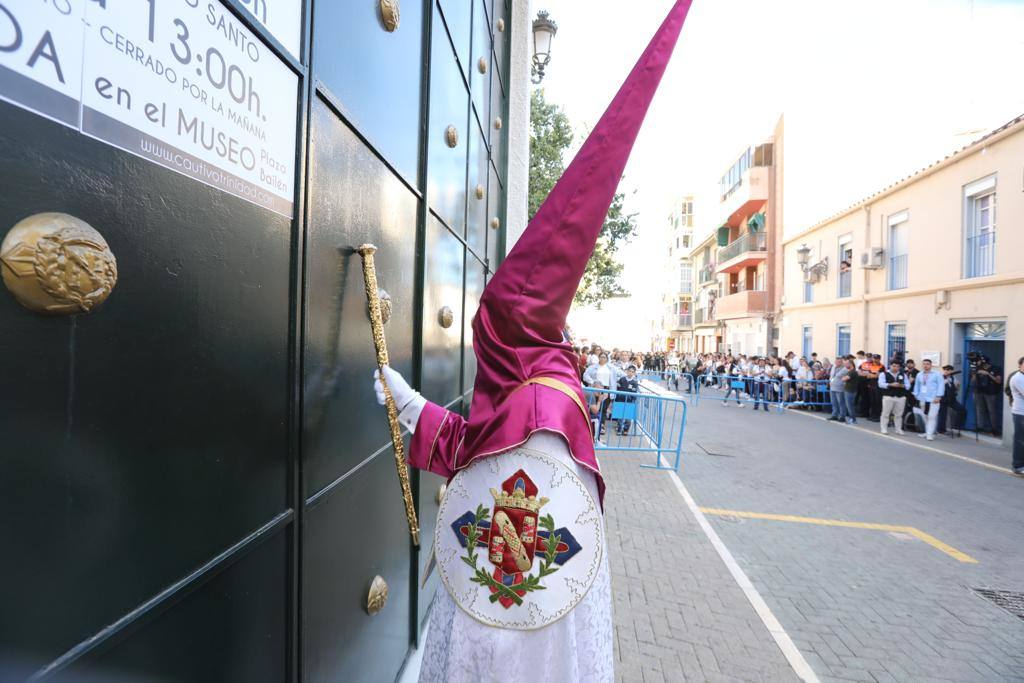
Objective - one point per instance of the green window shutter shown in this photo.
(723, 236)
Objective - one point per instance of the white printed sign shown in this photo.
(181, 83)
(283, 18)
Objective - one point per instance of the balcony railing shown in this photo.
(981, 255)
(707, 274)
(898, 271)
(752, 241)
(701, 316)
(685, 320)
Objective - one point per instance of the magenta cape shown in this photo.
(527, 377)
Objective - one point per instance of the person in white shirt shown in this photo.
(804, 374)
(928, 390)
(1017, 406)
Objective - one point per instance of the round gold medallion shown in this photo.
(479, 191)
(55, 263)
(501, 25)
(495, 223)
(482, 65)
(451, 136)
(389, 15)
(445, 317)
(377, 596)
(497, 123)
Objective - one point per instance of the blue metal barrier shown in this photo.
(777, 393)
(808, 393)
(643, 422)
(683, 383)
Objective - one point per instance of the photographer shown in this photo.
(951, 412)
(987, 382)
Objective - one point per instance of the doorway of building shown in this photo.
(980, 340)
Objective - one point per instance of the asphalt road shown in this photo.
(867, 549)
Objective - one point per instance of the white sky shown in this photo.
(871, 91)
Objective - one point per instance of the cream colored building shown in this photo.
(932, 266)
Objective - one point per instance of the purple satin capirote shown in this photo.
(517, 332)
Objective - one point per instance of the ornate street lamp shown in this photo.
(811, 273)
(544, 31)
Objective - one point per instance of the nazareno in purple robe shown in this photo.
(527, 378)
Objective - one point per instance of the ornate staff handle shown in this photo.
(366, 251)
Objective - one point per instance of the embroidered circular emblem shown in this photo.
(519, 540)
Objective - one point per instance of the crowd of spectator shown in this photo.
(903, 395)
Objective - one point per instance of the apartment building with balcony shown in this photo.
(707, 333)
(677, 288)
(749, 240)
(914, 269)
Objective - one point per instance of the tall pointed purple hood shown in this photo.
(527, 377)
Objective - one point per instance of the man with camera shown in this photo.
(987, 382)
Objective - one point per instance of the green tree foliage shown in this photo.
(550, 136)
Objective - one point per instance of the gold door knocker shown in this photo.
(377, 596)
(54, 263)
(389, 14)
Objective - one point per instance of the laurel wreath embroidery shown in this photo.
(532, 581)
(54, 259)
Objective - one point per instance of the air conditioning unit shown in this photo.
(873, 260)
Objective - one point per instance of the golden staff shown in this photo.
(366, 251)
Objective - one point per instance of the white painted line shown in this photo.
(922, 446)
(782, 639)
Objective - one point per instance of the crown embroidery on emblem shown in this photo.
(520, 493)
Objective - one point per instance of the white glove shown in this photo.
(409, 401)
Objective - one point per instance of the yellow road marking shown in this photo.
(913, 531)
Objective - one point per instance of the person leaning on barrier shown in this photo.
(894, 385)
(627, 383)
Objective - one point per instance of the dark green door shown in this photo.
(196, 483)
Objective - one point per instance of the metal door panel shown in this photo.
(357, 532)
(457, 16)
(481, 65)
(147, 436)
(442, 289)
(495, 210)
(232, 629)
(449, 111)
(354, 199)
(476, 211)
(475, 270)
(429, 487)
(500, 19)
(496, 128)
(374, 73)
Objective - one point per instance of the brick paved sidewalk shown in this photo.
(679, 613)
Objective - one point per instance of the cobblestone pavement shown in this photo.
(679, 614)
(861, 604)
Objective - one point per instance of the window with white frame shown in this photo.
(685, 278)
(808, 345)
(899, 231)
(842, 341)
(845, 278)
(980, 227)
(808, 292)
(687, 214)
